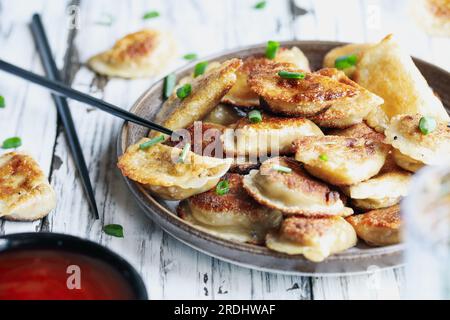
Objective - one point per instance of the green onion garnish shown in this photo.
(260, 5)
(255, 116)
(184, 91)
(223, 187)
(169, 84)
(279, 168)
(150, 15)
(323, 157)
(190, 56)
(115, 230)
(2, 102)
(272, 49)
(151, 142)
(107, 20)
(200, 68)
(345, 62)
(13, 142)
(184, 153)
(427, 125)
(291, 75)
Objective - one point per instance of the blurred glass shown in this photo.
(426, 212)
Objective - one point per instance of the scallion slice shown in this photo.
(2, 102)
(255, 116)
(260, 5)
(427, 125)
(151, 142)
(223, 187)
(272, 49)
(150, 15)
(190, 56)
(345, 62)
(323, 157)
(169, 84)
(115, 230)
(200, 68)
(184, 153)
(13, 142)
(291, 75)
(184, 91)
(280, 168)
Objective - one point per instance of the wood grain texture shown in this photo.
(170, 269)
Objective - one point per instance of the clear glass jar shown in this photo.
(426, 214)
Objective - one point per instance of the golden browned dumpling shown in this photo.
(378, 227)
(141, 54)
(233, 215)
(158, 169)
(413, 148)
(207, 91)
(389, 72)
(25, 193)
(241, 94)
(315, 238)
(327, 96)
(360, 130)
(433, 16)
(294, 191)
(273, 135)
(384, 190)
(341, 160)
(346, 50)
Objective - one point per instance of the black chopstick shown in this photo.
(63, 90)
(43, 47)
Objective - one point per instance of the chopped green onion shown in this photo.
(151, 142)
(200, 68)
(107, 20)
(190, 56)
(291, 75)
(13, 142)
(272, 49)
(169, 84)
(427, 125)
(2, 102)
(345, 62)
(323, 157)
(115, 230)
(255, 116)
(184, 153)
(279, 168)
(150, 15)
(184, 91)
(223, 187)
(260, 5)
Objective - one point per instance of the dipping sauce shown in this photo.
(48, 274)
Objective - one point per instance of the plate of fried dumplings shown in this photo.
(294, 156)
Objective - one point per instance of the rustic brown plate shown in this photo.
(355, 260)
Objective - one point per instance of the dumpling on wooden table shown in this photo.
(314, 238)
(159, 169)
(140, 54)
(282, 184)
(230, 213)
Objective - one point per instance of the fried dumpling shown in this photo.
(341, 160)
(326, 96)
(141, 54)
(233, 215)
(241, 94)
(314, 238)
(158, 169)
(25, 193)
(433, 16)
(360, 130)
(413, 149)
(378, 227)
(207, 91)
(224, 115)
(384, 190)
(273, 135)
(346, 50)
(386, 70)
(294, 191)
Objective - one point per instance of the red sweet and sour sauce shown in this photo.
(44, 274)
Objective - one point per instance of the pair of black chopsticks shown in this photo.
(53, 83)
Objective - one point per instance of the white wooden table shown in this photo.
(171, 270)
